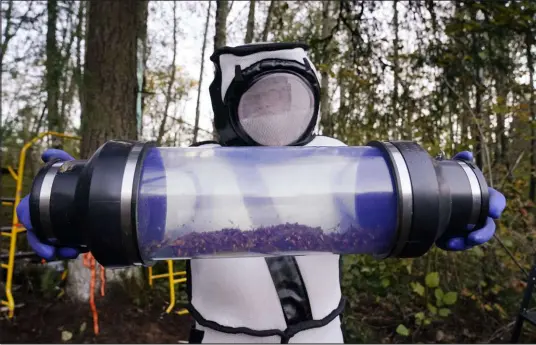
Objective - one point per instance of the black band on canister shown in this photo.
(111, 202)
(433, 197)
(402, 185)
(415, 239)
(92, 204)
(446, 196)
(469, 167)
(40, 201)
(64, 217)
(426, 199)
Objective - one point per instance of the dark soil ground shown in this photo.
(125, 317)
(120, 321)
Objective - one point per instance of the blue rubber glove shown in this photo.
(23, 213)
(465, 239)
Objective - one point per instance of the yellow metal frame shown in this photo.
(172, 280)
(15, 227)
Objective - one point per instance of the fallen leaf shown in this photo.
(402, 330)
(66, 336)
(439, 335)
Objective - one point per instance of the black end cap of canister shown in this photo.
(111, 183)
(426, 220)
(415, 239)
(34, 202)
(484, 194)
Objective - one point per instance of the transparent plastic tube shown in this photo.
(253, 201)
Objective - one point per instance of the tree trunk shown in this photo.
(109, 110)
(81, 31)
(395, 115)
(502, 141)
(110, 74)
(477, 70)
(143, 12)
(142, 56)
(53, 72)
(478, 113)
(171, 82)
(342, 117)
(67, 80)
(220, 35)
(268, 22)
(529, 42)
(465, 117)
(250, 27)
(3, 48)
(325, 113)
(203, 49)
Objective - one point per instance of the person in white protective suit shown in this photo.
(265, 94)
(268, 94)
(262, 95)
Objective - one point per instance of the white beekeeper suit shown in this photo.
(265, 94)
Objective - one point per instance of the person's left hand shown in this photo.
(465, 239)
(43, 250)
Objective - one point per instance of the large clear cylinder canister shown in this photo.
(222, 202)
(132, 203)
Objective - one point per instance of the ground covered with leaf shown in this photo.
(373, 319)
(388, 302)
(129, 312)
(120, 321)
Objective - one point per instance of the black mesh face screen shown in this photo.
(277, 109)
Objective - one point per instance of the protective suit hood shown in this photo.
(264, 94)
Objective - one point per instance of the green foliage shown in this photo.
(432, 279)
(462, 84)
(444, 312)
(134, 289)
(44, 281)
(402, 330)
(477, 53)
(418, 288)
(450, 298)
(439, 295)
(49, 282)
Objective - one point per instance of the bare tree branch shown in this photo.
(203, 49)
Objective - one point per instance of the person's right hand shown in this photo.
(45, 251)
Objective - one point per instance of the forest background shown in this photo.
(451, 75)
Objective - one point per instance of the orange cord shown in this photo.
(90, 262)
(102, 281)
